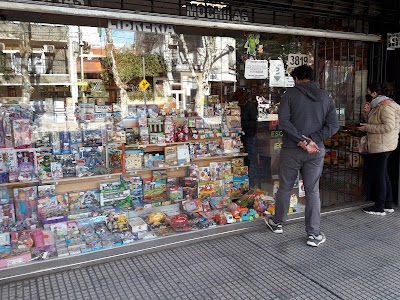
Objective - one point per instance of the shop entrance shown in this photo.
(341, 67)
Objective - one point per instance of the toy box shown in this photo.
(204, 174)
(93, 160)
(44, 165)
(171, 155)
(194, 205)
(15, 260)
(7, 216)
(135, 185)
(238, 162)
(117, 222)
(115, 158)
(138, 224)
(22, 133)
(26, 164)
(52, 206)
(133, 160)
(183, 155)
(176, 194)
(240, 170)
(155, 191)
(132, 136)
(4, 195)
(240, 184)
(84, 200)
(114, 194)
(45, 190)
(116, 136)
(68, 165)
(56, 170)
(216, 170)
(8, 160)
(193, 170)
(219, 202)
(25, 203)
(219, 187)
(205, 189)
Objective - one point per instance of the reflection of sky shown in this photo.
(120, 37)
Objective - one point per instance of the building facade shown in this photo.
(171, 60)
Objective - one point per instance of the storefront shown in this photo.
(141, 147)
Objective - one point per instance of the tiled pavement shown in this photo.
(360, 260)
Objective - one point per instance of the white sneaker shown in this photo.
(315, 241)
(275, 227)
(389, 210)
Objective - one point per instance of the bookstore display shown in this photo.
(76, 178)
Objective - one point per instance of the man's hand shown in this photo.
(309, 145)
(312, 148)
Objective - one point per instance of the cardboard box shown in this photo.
(138, 224)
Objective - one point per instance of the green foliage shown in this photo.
(130, 66)
(139, 95)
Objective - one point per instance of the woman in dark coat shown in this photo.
(249, 127)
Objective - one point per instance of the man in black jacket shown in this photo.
(307, 116)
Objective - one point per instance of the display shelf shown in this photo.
(81, 179)
(220, 157)
(171, 144)
(155, 169)
(12, 185)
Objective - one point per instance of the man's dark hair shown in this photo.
(303, 72)
(241, 96)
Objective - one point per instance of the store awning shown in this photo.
(82, 15)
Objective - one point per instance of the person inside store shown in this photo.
(307, 116)
(382, 115)
(248, 116)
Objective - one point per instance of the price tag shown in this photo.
(295, 60)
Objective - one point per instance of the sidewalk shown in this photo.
(359, 260)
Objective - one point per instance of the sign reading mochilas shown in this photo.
(201, 9)
(141, 27)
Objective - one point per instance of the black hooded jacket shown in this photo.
(308, 110)
(248, 118)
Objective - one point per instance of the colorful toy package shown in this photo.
(115, 158)
(133, 160)
(22, 133)
(84, 200)
(51, 207)
(44, 166)
(26, 162)
(26, 204)
(155, 191)
(4, 195)
(114, 194)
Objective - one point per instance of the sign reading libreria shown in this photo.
(141, 27)
(200, 9)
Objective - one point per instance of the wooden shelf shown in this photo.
(155, 169)
(220, 157)
(12, 185)
(171, 144)
(80, 179)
